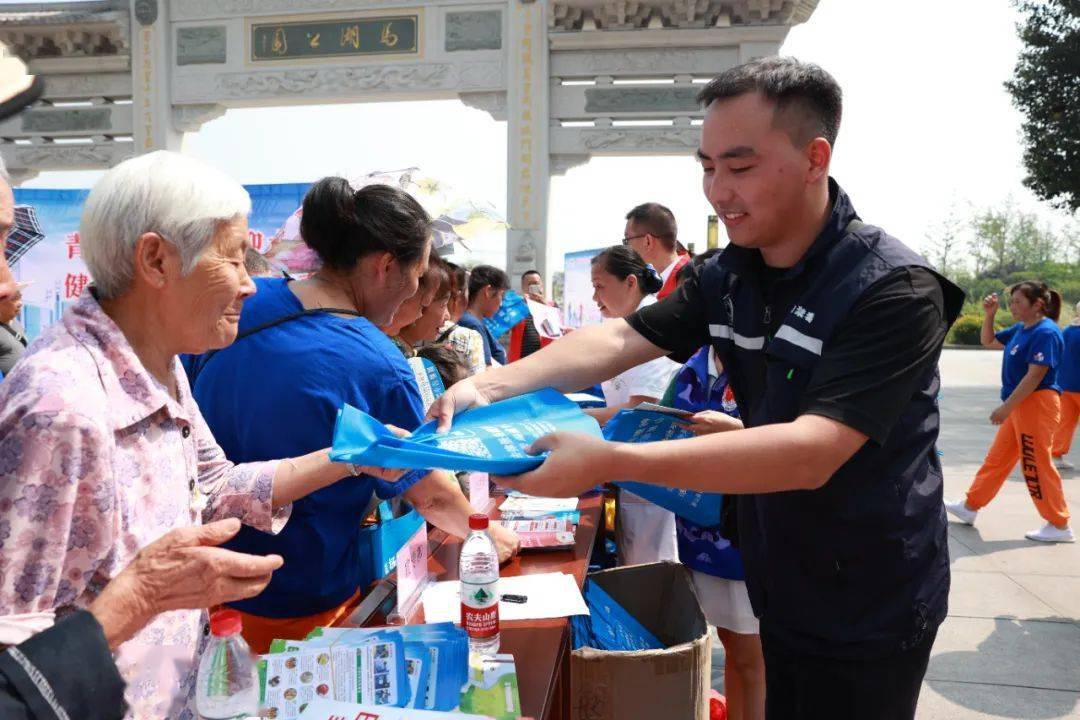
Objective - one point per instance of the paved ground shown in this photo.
(1010, 647)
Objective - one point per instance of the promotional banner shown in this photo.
(54, 269)
(578, 306)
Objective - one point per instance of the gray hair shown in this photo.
(176, 196)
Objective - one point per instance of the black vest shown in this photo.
(860, 566)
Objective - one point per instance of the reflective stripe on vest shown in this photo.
(793, 336)
(726, 332)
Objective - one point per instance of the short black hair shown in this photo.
(342, 225)
(527, 273)
(808, 100)
(656, 220)
(483, 275)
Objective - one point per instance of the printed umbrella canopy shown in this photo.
(456, 217)
(24, 234)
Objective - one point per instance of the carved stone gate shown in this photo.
(572, 78)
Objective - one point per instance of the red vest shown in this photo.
(673, 279)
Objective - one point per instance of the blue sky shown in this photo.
(927, 127)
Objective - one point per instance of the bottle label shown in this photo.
(480, 609)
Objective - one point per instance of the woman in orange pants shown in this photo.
(1069, 379)
(1030, 410)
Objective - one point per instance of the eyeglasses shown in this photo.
(626, 240)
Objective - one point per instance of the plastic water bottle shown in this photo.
(478, 570)
(228, 680)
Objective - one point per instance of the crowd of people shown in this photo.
(163, 446)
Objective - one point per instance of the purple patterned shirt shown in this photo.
(97, 461)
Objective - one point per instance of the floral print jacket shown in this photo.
(97, 460)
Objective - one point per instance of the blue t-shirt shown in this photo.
(492, 348)
(275, 394)
(1040, 344)
(1069, 369)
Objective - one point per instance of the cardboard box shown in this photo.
(668, 684)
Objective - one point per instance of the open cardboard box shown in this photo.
(668, 684)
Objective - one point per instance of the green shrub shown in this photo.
(966, 330)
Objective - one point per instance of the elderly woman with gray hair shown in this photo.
(102, 448)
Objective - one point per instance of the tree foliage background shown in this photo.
(1046, 89)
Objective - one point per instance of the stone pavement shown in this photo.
(1010, 647)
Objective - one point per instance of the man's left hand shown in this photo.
(577, 463)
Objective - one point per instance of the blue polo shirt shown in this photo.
(1069, 369)
(1040, 344)
(275, 394)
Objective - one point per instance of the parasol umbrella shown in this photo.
(456, 217)
(24, 234)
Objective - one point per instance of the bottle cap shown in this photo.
(224, 623)
(478, 522)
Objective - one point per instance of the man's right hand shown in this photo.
(180, 570)
(461, 396)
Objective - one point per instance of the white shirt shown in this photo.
(666, 272)
(648, 379)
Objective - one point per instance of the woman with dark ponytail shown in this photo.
(305, 348)
(1030, 410)
(622, 284)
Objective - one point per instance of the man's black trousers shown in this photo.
(801, 687)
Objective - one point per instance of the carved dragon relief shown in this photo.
(320, 81)
(640, 139)
(203, 9)
(52, 156)
(574, 15)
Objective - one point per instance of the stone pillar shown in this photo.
(527, 176)
(150, 59)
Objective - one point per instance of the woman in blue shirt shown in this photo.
(1030, 410)
(487, 288)
(305, 348)
(1069, 379)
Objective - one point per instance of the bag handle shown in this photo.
(266, 326)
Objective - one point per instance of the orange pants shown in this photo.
(1070, 413)
(259, 631)
(1025, 436)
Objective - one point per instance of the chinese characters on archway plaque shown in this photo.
(334, 38)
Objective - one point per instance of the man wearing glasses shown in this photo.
(651, 230)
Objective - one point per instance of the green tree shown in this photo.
(1046, 88)
(991, 243)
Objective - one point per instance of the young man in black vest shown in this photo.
(830, 332)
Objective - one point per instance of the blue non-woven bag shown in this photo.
(638, 426)
(513, 310)
(488, 439)
(608, 626)
(381, 542)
